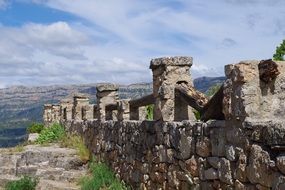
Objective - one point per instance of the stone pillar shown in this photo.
(56, 113)
(80, 102)
(51, 114)
(106, 94)
(123, 110)
(251, 93)
(88, 112)
(47, 116)
(66, 109)
(167, 72)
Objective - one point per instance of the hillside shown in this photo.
(20, 105)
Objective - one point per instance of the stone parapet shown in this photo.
(106, 94)
(80, 107)
(167, 73)
(51, 114)
(185, 155)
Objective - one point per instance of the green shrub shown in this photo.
(197, 114)
(279, 54)
(149, 112)
(51, 134)
(213, 90)
(25, 183)
(76, 142)
(35, 128)
(102, 178)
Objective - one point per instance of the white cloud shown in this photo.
(58, 53)
(116, 39)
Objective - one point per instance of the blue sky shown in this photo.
(45, 42)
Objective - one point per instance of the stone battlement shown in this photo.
(238, 144)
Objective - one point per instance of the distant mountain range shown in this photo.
(20, 105)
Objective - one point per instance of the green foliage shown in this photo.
(149, 112)
(76, 142)
(197, 114)
(35, 128)
(102, 178)
(280, 52)
(25, 183)
(51, 134)
(213, 90)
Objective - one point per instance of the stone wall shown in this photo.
(244, 151)
(185, 155)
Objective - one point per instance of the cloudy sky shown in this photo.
(45, 42)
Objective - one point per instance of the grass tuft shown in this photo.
(25, 183)
(101, 177)
(77, 142)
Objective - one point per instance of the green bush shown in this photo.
(197, 114)
(149, 112)
(35, 128)
(51, 134)
(25, 183)
(102, 178)
(280, 52)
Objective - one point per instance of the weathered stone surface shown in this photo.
(280, 162)
(107, 87)
(224, 171)
(167, 72)
(230, 152)
(33, 137)
(51, 114)
(107, 94)
(217, 138)
(214, 161)
(80, 107)
(239, 185)
(211, 174)
(203, 147)
(123, 110)
(184, 145)
(279, 183)
(258, 169)
(171, 61)
(192, 166)
(260, 187)
(248, 96)
(241, 168)
(57, 168)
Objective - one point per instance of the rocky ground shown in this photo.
(56, 168)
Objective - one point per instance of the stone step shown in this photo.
(8, 170)
(45, 172)
(4, 179)
(56, 168)
(58, 174)
(53, 156)
(56, 185)
(8, 159)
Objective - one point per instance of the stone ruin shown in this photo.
(51, 114)
(239, 143)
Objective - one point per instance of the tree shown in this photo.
(280, 52)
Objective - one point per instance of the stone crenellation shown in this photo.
(243, 149)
